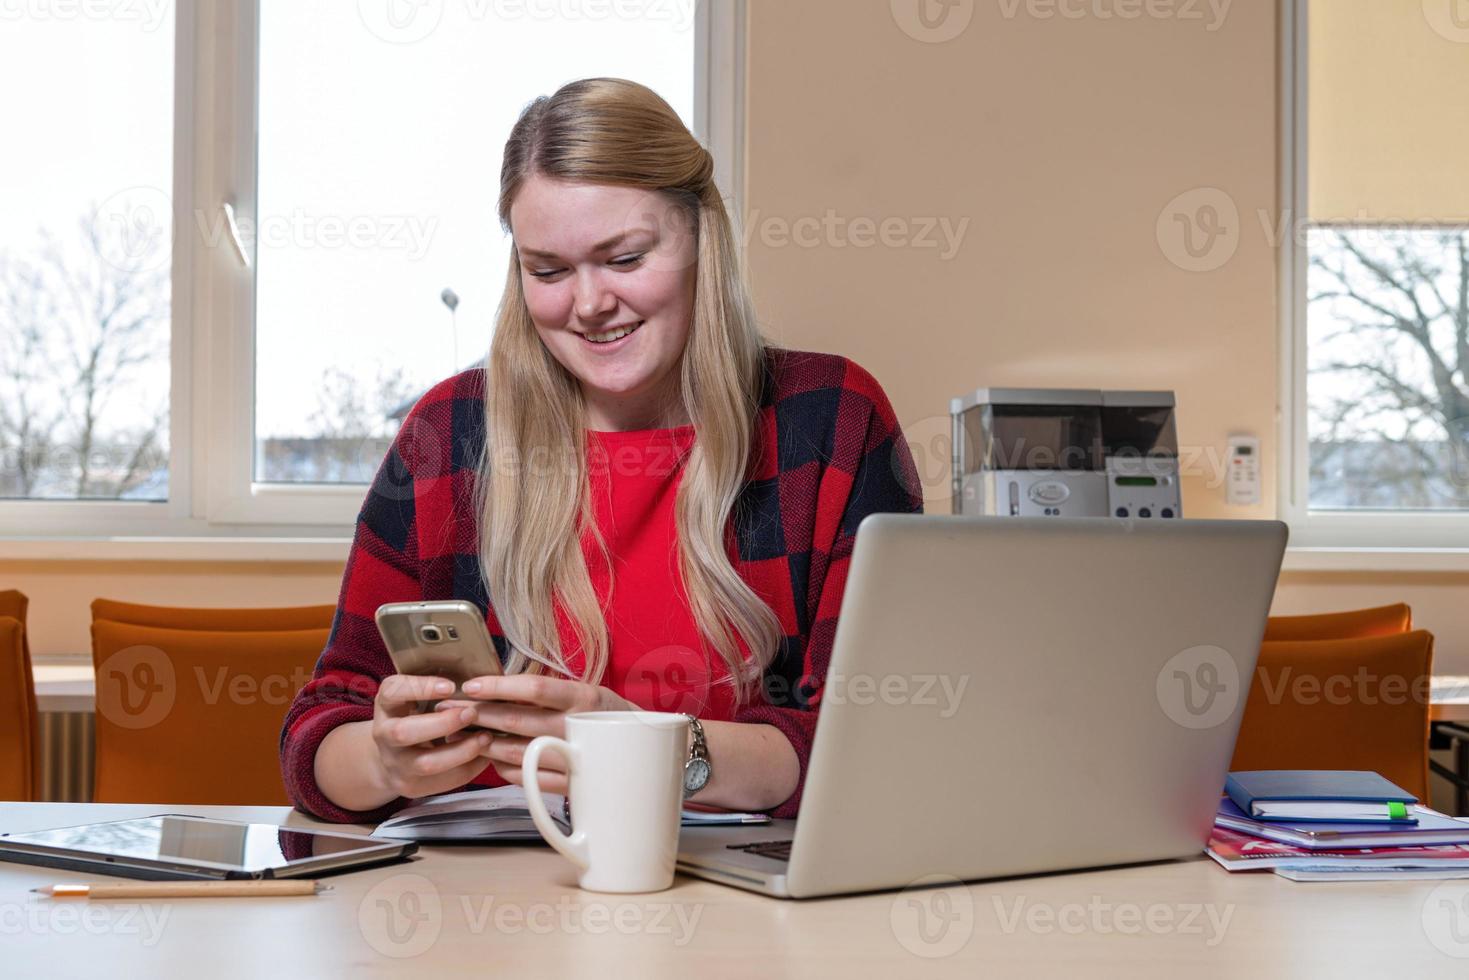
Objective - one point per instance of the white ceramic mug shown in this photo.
(626, 775)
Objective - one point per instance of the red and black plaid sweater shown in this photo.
(827, 452)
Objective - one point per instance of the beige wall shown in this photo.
(1060, 142)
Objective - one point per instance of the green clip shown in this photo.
(1396, 811)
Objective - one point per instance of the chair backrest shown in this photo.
(18, 772)
(13, 604)
(182, 618)
(1354, 624)
(188, 716)
(1341, 704)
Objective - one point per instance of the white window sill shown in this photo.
(1388, 560)
(212, 549)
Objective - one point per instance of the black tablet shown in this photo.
(169, 846)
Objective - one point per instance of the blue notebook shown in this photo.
(1432, 829)
(1320, 795)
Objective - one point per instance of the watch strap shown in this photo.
(698, 747)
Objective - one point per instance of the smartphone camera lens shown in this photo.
(430, 633)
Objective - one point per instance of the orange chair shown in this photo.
(14, 604)
(1341, 704)
(179, 618)
(19, 773)
(1379, 621)
(188, 716)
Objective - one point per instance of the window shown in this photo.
(380, 255)
(1376, 298)
(85, 256)
(331, 171)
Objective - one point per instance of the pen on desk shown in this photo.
(262, 888)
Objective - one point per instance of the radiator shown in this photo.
(68, 740)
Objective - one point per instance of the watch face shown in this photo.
(695, 775)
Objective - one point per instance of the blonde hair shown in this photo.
(613, 131)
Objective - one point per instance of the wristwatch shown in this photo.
(697, 770)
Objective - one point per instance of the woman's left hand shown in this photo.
(525, 706)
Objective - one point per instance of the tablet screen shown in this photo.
(198, 840)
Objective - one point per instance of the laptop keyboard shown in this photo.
(780, 850)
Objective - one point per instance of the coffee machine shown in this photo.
(1065, 452)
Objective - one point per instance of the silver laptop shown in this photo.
(1011, 696)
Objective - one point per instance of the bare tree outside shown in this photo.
(344, 438)
(84, 373)
(1389, 347)
(84, 347)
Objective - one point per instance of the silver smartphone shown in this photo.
(444, 638)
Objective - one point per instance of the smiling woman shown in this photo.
(652, 506)
(590, 306)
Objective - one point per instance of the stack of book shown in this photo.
(501, 814)
(1334, 826)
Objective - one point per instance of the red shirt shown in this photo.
(655, 655)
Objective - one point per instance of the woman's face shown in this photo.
(596, 258)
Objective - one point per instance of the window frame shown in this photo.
(212, 494)
(1320, 529)
(71, 518)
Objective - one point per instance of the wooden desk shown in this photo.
(517, 912)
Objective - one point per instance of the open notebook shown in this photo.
(501, 813)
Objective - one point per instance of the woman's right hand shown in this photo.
(413, 763)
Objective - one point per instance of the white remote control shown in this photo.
(1242, 472)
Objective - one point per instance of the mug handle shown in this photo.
(573, 845)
